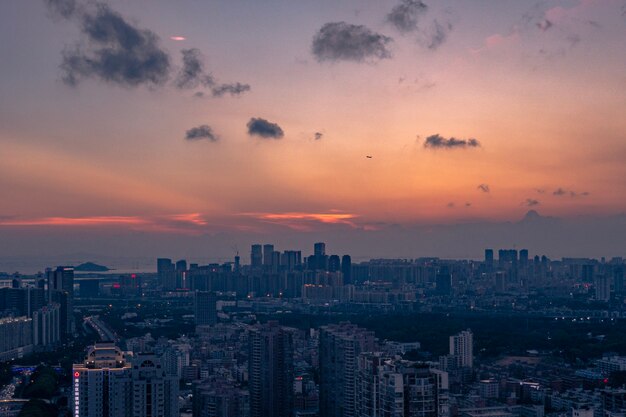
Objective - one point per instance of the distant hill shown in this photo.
(91, 267)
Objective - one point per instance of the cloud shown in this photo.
(191, 75)
(530, 202)
(468, 204)
(116, 52)
(234, 89)
(338, 41)
(404, 16)
(436, 35)
(62, 8)
(545, 24)
(201, 132)
(318, 135)
(559, 192)
(437, 141)
(265, 129)
(450, 205)
(484, 188)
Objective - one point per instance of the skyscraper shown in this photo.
(268, 250)
(61, 290)
(462, 346)
(166, 272)
(346, 269)
(271, 371)
(340, 346)
(205, 309)
(256, 256)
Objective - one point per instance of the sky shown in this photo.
(141, 128)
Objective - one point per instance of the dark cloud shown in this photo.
(530, 202)
(62, 8)
(191, 75)
(484, 188)
(439, 142)
(338, 41)
(265, 129)
(201, 132)
(318, 135)
(404, 16)
(434, 37)
(545, 24)
(468, 204)
(563, 192)
(450, 205)
(116, 52)
(234, 89)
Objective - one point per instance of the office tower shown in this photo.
(462, 345)
(102, 384)
(237, 267)
(334, 263)
(319, 249)
(268, 250)
(489, 259)
(275, 264)
(181, 265)
(523, 258)
(340, 346)
(256, 256)
(271, 371)
(166, 272)
(108, 384)
(205, 309)
(291, 260)
(61, 290)
(346, 269)
(154, 391)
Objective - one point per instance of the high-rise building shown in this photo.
(346, 269)
(102, 384)
(205, 309)
(340, 346)
(61, 290)
(444, 281)
(256, 256)
(462, 345)
(399, 388)
(220, 398)
(489, 259)
(319, 249)
(154, 391)
(111, 384)
(271, 371)
(16, 337)
(166, 272)
(334, 263)
(46, 325)
(602, 284)
(268, 251)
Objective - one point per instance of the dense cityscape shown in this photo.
(287, 334)
(355, 208)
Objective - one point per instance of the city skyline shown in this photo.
(394, 127)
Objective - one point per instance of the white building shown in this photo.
(462, 345)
